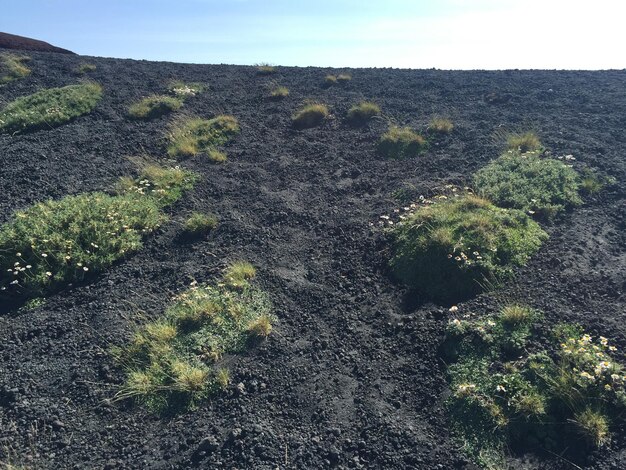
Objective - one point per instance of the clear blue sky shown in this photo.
(466, 34)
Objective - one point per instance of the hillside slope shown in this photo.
(22, 43)
(352, 377)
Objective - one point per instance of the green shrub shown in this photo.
(524, 142)
(440, 126)
(164, 185)
(172, 363)
(154, 106)
(529, 182)
(279, 92)
(454, 248)
(53, 243)
(85, 68)
(200, 224)
(12, 67)
(191, 136)
(555, 399)
(310, 116)
(184, 90)
(50, 108)
(363, 112)
(401, 142)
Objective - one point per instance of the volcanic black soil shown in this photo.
(351, 376)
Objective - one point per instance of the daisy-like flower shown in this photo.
(48, 273)
(500, 388)
(85, 268)
(44, 255)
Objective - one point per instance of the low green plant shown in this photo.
(265, 69)
(50, 108)
(524, 142)
(192, 135)
(440, 126)
(455, 248)
(199, 223)
(529, 182)
(361, 113)
(279, 92)
(310, 115)
(53, 243)
(184, 90)
(592, 183)
(344, 77)
(401, 142)
(238, 273)
(554, 399)
(154, 106)
(85, 68)
(173, 363)
(12, 67)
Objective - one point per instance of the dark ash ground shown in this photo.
(352, 377)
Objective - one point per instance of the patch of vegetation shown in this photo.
(344, 77)
(50, 108)
(279, 92)
(12, 67)
(53, 243)
(361, 113)
(440, 126)
(154, 106)
(505, 397)
(330, 80)
(524, 142)
(216, 156)
(163, 185)
(184, 90)
(239, 273)
(199, 223)
(173, 363)
(592, 183)
(529, 182)
(193, 135)
(265, 69)
(85, 68)
(454, 248)
(401, 142)
(310, 116)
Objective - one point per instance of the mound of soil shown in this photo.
(352, 376)
(22, 43)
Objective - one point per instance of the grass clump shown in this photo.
(12, 67)
(199, 223)
(503, 396)
(163, 185)
(310, 116)
(184, 90)
(173, 362)
(53, 243)
(344, 77)
(361, 113)
(265, 69)
(216, 156)
(191, 136)
(529, 182)
(330, 80)
(238, 273)
(50, 108)
(524, 142)
(85, 68)
(154, 106)
(401, 142)
(440, 126)
(453, 249)
(279, 92)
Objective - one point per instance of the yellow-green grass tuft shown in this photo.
(401, 142)
(192, 135)
(265, 69)
(361, 113)
(184, 90)
(344, 77)
(524, 142)
(12, 67)
(238, 273)
(279, 92)
(199, 223)
(440, 126)
(217, 156)
(310, 116)
(154, 106)
(330, 80)
(85, 68)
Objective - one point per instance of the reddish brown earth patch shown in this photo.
(13, 41)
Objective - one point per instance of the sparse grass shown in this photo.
(330, 80)
(401, 142)
(555, 399)
(310, 116)
(238, 273)
(265, 69)
(279, 92)
(184, 90)
(53, 243)
(592, 183)
(361, 113)
(216, 156)
(12, 67)
(524, 142)
(49, 108)
(154, 106)
(178, 367)
(452, 249)
(529, 182)
(344, 77)
(85, 68)
(199, 223)
(192, 135)
(440, 126)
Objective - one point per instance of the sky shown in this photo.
(445, 34)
